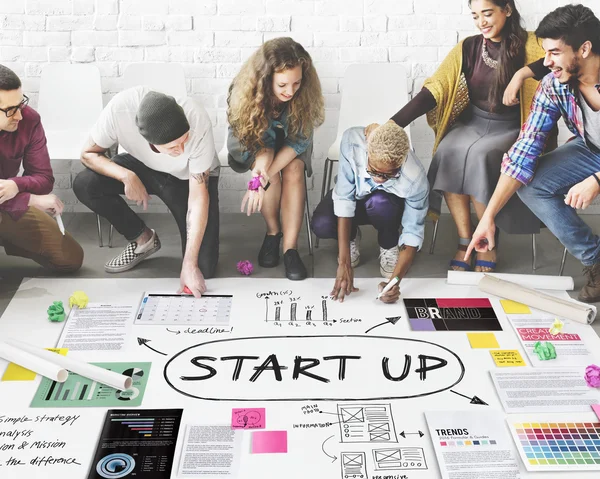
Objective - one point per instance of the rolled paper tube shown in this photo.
(570, 309)
(50, 370)
(101, 375)
(557, 283)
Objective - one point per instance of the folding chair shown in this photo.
(168, 78)
(70, 102)
(371, 93)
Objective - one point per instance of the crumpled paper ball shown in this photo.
(79, 299)
(592, 376)
(254, 184)
(245, 267)
(56, 312)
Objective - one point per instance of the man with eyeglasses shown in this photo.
(380, 182)
(170, 153)
(26, 227)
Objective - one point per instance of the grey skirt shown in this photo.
(239, 164)
(468, 160)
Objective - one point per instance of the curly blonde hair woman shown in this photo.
(274, 105)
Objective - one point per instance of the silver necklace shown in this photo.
(490, 62)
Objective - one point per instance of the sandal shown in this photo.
(463, 243)
(489, 264)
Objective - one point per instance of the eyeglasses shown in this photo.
(384, 176)
(12, 111)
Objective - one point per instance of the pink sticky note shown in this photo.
(268, 442)
(596, 408)
(250, 418)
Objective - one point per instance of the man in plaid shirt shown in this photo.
(555, 184)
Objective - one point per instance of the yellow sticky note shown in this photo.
(483, 340)
(507, 358)
(14, 372)
(512, 307)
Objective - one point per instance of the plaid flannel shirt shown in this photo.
(551, 101)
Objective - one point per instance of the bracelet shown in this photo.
(596, 178)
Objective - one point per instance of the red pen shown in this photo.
(187, 290)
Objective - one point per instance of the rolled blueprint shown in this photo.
(558, 283)
(17, 355)
(565, 308)
(101, 375)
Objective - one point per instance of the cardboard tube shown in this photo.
(471, 278)
(38, 365)
(565, 308)
(101, 375)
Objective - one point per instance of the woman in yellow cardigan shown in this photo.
(473, 128)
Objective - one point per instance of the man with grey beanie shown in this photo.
(170, 153)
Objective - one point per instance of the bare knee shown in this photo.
(294, 172)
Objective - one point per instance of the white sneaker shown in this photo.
(354, 249)
(387, 261)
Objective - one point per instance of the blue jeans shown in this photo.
(556, 173)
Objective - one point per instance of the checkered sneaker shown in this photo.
(129, 258)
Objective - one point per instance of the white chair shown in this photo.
(168, 78)
(223, 155)
(371, 93)
(70, 102)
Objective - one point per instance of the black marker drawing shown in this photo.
(278, 313)
(354, 465)
(298, 368)
(366, 423)
(324, 307)
(393, 320)
(309, 315)
(144, 342)
(293, 311)
(404, 434)
(334, 457)
(474, 399)
(266, 308)
(403, 458)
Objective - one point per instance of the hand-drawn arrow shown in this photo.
(393, 320)
(474, 399)
(323, 449)
(142, 341)
(404, 434)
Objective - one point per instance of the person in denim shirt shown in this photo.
(555, 184)
(274, 105)
(380, 182)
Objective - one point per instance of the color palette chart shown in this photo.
(558, 446)
(472, 443)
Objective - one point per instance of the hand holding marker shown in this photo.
(389, 286)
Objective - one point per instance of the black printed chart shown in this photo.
(182, 309)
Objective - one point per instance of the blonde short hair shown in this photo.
(389, 145)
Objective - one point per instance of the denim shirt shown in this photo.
(299, 143)
(354, 183)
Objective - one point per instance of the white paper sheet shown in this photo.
(547, 390)
(570, 347)
(98, 327)
(210, 451)
(472, 444)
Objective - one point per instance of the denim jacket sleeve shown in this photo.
(299, 143)
(344, 192)
(415, 212)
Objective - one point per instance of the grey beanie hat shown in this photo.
(160, 119)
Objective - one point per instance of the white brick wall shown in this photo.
(211, 38)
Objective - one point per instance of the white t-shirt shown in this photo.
(116, 125)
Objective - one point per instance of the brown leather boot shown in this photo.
(590, 293)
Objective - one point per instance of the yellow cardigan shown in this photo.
(449, 88)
